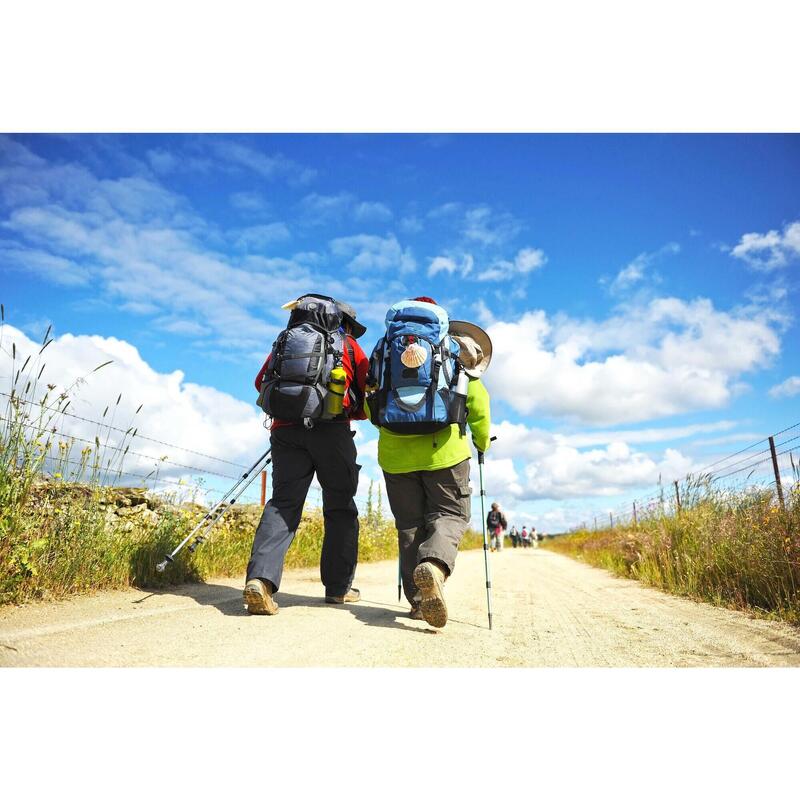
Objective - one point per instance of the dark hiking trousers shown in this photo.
(431, 511)
(297, 453)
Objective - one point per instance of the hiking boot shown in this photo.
(429, 578)
(353, 596)
(416, 612)
(258, 598)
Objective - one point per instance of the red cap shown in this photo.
(426, 300)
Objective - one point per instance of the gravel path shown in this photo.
(549, 611)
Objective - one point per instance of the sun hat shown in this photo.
(476, 347)
(348, 312)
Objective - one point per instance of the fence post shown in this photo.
(777, 472)
(263, 488)
(595, 524)
(677, 496)
(611, 520)
(635, 518)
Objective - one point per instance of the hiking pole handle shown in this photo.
(481, 459)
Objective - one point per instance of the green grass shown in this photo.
(733, 548)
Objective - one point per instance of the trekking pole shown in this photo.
(214, 514)
(485, 537)
(399, 579)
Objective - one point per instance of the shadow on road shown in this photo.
(228, 601)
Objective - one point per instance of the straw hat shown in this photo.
(476, 347)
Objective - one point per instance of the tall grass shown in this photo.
(66, 526)
(736, 548)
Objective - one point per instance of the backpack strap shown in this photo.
(354, 388)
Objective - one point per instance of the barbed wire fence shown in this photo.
(108, 464)
(770, 463)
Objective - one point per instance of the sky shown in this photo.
(641, 291)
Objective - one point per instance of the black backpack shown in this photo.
(295, 384)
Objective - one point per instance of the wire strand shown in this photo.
(120, 430)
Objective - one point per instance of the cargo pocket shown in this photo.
(465, 500)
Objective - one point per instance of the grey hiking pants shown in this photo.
(431, 511)
(327, 449)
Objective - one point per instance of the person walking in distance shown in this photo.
(496, 523)
(514, 536)
(312, 384)
(424, 389)
(525, 537)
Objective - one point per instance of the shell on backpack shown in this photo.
(415, 355)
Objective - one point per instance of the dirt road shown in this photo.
(548, 611)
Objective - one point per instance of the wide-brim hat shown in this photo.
(476, 347)
(348, 312)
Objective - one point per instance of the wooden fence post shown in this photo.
(611, 520)
(677, 496)
(777, 472)
(635, 518)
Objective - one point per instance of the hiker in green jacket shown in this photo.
(427, 474)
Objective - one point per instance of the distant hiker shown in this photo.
(514, 536)
(423, 386)
(312, 385)
(534, 537)
(525, 537)
(496, 523)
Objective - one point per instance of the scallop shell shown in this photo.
(415, 355)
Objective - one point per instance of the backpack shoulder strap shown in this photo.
(354, 387)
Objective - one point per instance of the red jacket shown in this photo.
(361, 368)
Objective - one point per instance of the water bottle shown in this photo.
(334, 401)
(458, 405)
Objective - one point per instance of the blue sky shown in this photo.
(641, 290)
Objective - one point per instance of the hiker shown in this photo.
(423, 389)
(312, 385)
(496, 523)
(525, 537)
(534, 537)
(514, 536)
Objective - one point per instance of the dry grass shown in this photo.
(732, 548)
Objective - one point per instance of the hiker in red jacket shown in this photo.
(304, 446)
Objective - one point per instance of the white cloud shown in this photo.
(319, 209)
(554, 466)
(372, 212)
(526, 261)
(162, 161)
(450, 266)
(636, 271)
(249, 159)
(175, 411)
(770, 250)
(258, 237)
(251, 202)
(664, 358)
(54, 268)
(368, 253)
(789, 388)
(143, 248)
(411, 225)
(488, 228)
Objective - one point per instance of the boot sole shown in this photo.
(432, 603)
(259, 602)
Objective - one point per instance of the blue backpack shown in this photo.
(415, 368)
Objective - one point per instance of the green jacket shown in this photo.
(399, 453)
